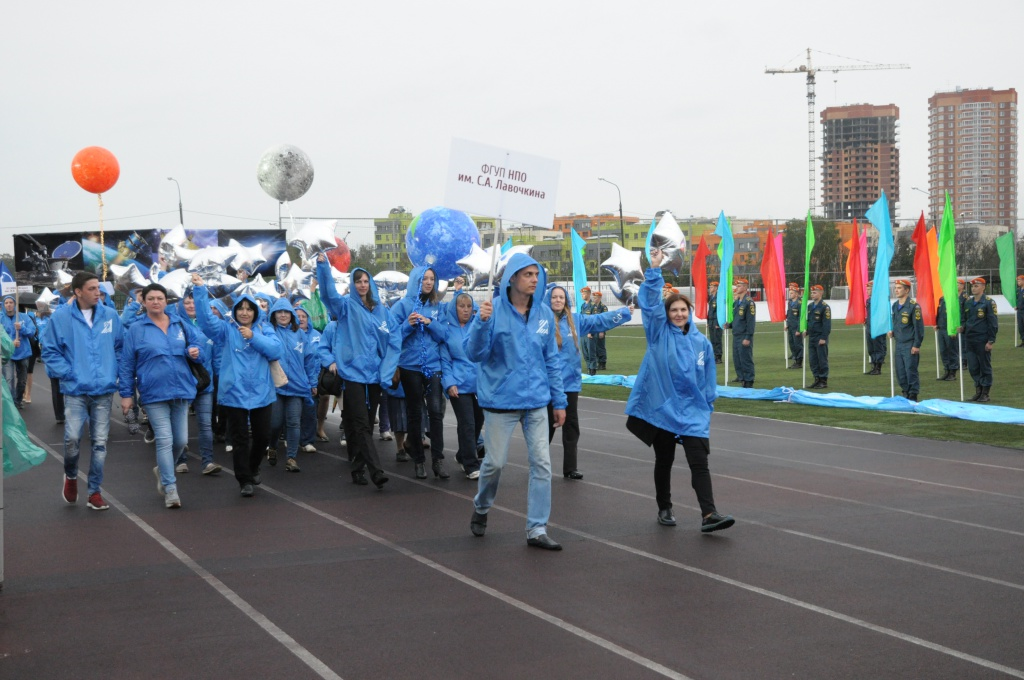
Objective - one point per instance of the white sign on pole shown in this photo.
(496, 182)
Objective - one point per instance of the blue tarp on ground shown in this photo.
(984, 413)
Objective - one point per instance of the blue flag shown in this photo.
(579, 267)
(881, 314)
(7, 282)
(726, 249)
(647, 244)
(506, 245)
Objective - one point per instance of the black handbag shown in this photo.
(642, 429)
(330, 383)
(199, 371)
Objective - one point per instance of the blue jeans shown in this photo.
(287, 413)
(497, 436)
(16, 374)
(203, 406)
(77, 411)
(308, 421)
(169, 420)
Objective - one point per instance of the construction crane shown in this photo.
(810, 70)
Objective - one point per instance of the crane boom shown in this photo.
(810, 71)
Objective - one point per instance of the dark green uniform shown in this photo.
(586, 308)
(908, 332)
(947, 343)
(981, 324)
(796, 341)
(743, 321)
(877, 347)
(819, 326)
(714, 328)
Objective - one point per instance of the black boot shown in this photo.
(913, 396)
(823, 383)
(984, 394)
(952, 375)
(977, 393)
(944, 377)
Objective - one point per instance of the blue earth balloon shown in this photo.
(439, 238)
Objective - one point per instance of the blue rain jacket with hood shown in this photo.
(83, 358)
(157, 362)
(365, 347)
(244, 377)
(519, 367)
(456, 368)
(572, 374)
(421, 344)
(27, 332)
(206, 357)
(218, 348)
(131, 313)
(675, 387)
(298, 356)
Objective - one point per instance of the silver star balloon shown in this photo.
(62, 282)
(285, 172)
(127, 279)
(177, 283)
(477, 265)
(220, 285)
(175, 248)
(211, 261)
(47, 300)
(296, 284)
(627, 269)
(248, 259)
(259, 285)
(284, 263)
(315, 238)
(669, 238)
(154, 271)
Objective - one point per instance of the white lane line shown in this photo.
(289, 643)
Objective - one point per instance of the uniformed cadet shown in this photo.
(947, 344)
(796, 338)
(908, 331)
(714, 328)
(877, 347)
(743, 322)
(1020, 310)
(585, 344)
(980, 326)
(598, 352)
(819, 326)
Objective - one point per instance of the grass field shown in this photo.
(626, 347)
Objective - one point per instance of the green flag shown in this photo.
(947, 268)
(807, 273)
(1008, 267)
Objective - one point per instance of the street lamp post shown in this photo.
(181, 213)
(622, 228)
(930, 207)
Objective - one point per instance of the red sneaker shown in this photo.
(70, 493)
(96, 502)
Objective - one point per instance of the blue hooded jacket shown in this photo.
(83, 358)
(456, 368)
(131, 313)
(364, 346)
(218, 348)
(206, 357)
(519, 368)
(244, 378)
(298, 356)
(421, 344)
(157, 362)
(27, 332)
(675, 387)
(569, 353)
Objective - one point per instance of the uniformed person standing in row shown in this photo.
(961, 287)
(796, 339)
(1020, 309)
(877, 347)
(908, 330)
(819, 326)
(980, 326)
(743, 322)
(947, 344)
(585, 308)
(714, 328)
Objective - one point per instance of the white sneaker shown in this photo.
(171, 499)
(181, 468)
(211, 469)
(229, 448)
(475, 474)
(343, 442)
(308, 448)
(386, 436)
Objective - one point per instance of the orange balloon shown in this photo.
(95, 169)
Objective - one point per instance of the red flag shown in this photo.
(774, 287)
(855, 313)
(923, 271)
(700, 278)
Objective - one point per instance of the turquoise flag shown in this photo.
(881, 313)
(506, 245)
(579, 267)
(726, 249)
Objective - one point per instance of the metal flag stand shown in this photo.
(937, 377)
(725, 352)
(960, 347)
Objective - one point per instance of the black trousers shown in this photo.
(416, 387)
(470, 419)
(697, 450)
(57, 398)
(570, 431)
(744, 356)
(359, 400)
(248, 452)
(818, 355)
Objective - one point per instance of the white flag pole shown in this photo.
(937, 353)
(892, 370)
(960, 347)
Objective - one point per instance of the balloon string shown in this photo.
(103, 245)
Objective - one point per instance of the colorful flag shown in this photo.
(881, 314)
(1008, 267)
(8, 286)
(855, 313)
(579, 266)
(726, 250)
(923, 271)
(933, 260)
(700, 278)
(506, 245)
(947, 268)
(774, 286)
(809, 239)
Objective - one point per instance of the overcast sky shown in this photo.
(668, 99)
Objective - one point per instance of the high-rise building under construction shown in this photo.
(860, 159)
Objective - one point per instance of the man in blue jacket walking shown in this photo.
(80, 347)
(513, 341)
(21, 329)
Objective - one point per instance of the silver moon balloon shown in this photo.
(285, 172)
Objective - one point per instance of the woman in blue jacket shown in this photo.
(674, 395)
(365, 354)
(245, 392)
(154, 359)
(458, 375)
(203, 404)
(300, 364)
(569, 328)
(21, 330)
(310, 408)
(420, 316)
